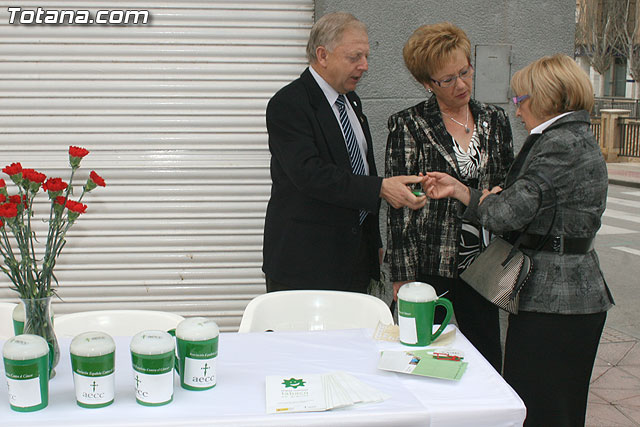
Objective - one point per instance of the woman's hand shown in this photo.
(438, 185)
(485, 193)
(396, 288)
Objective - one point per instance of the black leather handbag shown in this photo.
(501, 270)
(498, 273)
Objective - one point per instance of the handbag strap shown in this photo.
(518, 242)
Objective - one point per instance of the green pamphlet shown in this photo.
(446, 365)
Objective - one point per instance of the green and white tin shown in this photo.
(197, 342)
(26, 365)
(19, 316)
(93, 366)
(153, 358)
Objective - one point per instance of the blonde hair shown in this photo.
(555, 85)
(430, 47)
(327, 32)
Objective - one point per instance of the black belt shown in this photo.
(558, 244)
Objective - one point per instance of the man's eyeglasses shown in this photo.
(451, 80)
(518, 99)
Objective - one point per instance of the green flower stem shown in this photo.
(32, 258)
(32, 276)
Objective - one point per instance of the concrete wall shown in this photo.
(534, 28)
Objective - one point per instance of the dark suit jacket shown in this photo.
(312, 232)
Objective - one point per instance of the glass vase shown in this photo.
(38, 321)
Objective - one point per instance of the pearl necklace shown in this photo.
(465, 125)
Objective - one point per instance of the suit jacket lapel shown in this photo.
(482, 119)
(327, 120)
(517, 164)
(364, 124)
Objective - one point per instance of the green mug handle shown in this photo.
(449, 307)
(176, 364)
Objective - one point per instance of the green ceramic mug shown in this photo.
(197, 344)
(417, 304)
(93, 366)
(153, 358)
(26, 365)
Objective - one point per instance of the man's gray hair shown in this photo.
(328, 31)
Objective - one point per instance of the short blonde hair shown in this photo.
(327, 32)
(555, 85)
(430, 47)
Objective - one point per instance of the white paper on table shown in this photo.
(359, 392)
(297, 393)
(337, 396)
(318, 392)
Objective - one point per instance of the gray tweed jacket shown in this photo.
(567, 154)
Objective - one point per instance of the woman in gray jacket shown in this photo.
(558, 182)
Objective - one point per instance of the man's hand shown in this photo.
(395, 191)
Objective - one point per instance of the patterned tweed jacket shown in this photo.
(425, 242)
(568, 157)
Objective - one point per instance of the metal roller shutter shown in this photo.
(173, 114)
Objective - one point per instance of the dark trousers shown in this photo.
(477, 318)
(548, 361)
(362, 268)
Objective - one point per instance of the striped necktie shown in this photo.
(357, 164)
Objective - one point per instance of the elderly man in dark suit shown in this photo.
(321, 228)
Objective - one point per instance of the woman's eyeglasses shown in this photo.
(518, 99)
(451, 80)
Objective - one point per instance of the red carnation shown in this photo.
(76, 207)
(8, 210)
(2, 183)
(3, 198)
(12, 169)
(60, 200)
(33, 176)
(15, 199)
(75, 155)
(78, 151)
(97, 179)
(54, 185)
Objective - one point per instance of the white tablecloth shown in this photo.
(480, 398)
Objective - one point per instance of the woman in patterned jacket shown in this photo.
(558, 184)
(452, 133)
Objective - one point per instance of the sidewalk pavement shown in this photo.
(614, 395)
(627, 174)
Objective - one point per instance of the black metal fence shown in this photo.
(595, 128)
(629, 137)
(617, 103)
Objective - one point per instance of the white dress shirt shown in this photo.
(332, 95)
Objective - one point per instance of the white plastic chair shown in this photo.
(6, 320)
(311, 310)
(114, 322)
